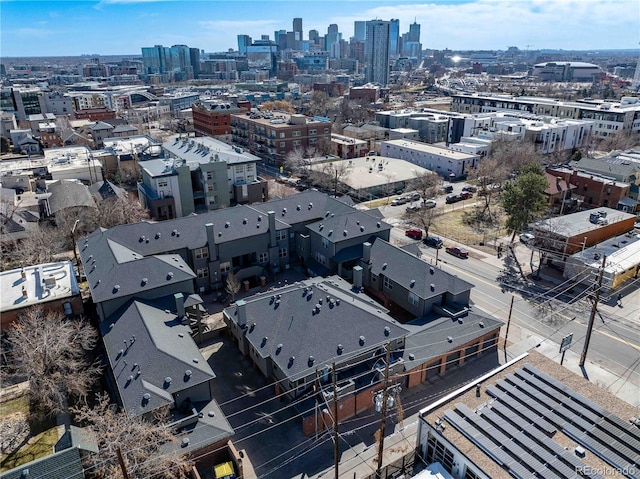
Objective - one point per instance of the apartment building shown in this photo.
(213, 118)
(609, 117)
(273, 135)
(199, 175)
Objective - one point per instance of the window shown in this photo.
(297, 142)
(263, 258)
(325, 243)
(320, 258)
(387, 283)
(281, 235)
(313, 132)
(162, 183)
(239, 169)
(313, 141)
(282, 253)
(201, 253)
(413, 298)
(282, 144)
(296, 133)
(210, 187)
(203, 272)
(326, 130)
(209, 175)
(225, 267)
(282, 135)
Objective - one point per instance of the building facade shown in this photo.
(377, 51)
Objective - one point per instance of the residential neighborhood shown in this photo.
(319, 255)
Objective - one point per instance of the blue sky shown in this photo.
(111, 27)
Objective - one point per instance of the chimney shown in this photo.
(179, 298)
(366, 252)
(357, 277)
(211, 242)
(241, 308)
(24, 292)
(272, 228)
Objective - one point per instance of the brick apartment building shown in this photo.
(273, 135)
(212, 118)
(595, 190)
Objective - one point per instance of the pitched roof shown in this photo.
(105, 189)
(557, 185)
(151, 352)
(349, 225)
(100, 125)
(285, 324)
(68, 194)
(65, 464)
(403, 268)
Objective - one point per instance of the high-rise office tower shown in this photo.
(414, 32)
(178, 58)
(156, 59)
(411, 46)
(360, 30)
(394, 38)
(333, 28)
(243, 42)
(314, 37)
(297, 27)
(332, 38)
(377, 51)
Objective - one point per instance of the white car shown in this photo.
(527, 238)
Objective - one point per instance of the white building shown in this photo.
(446, 162)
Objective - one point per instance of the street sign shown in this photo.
(566, 343)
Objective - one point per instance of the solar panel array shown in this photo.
(530, 406)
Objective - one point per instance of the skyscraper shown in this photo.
(297, 27)
(377, 51)
(243, 42)
(394, 37)
(360, 30)
(411, 46)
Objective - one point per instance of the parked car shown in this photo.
(413, 208)
(400, 200)
(430, 204)
(465, 195)
(433, 241)
(527, 238)
(469, 188)
(414, 233)
(457, 251)
(414, 196)
(447, 189)
(453, 198)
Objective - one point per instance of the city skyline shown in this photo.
(113, 27)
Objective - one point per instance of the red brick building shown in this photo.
(95, 114)
(273, 135)
(593, 190)
(212, 118)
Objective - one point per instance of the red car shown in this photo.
(414, 233)
(465, 195)
(457, 251)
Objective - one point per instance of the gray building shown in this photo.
(377, 49)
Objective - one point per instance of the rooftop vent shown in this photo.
(227, 224)
(116, 288)
(362, 339)
(167, 380)
(412, 356)
(321, 227)
(146, 396)
(431, 270)
(450, 339)
(481, 324)
(432, 286)
(158, 235)
(580, 452)
(278, 348)
(412, 283)
(144, 281)
(387, 330)
(169, 275)
(460, 321)
(174, 232)
(340, 348)
(345, 233)
(330, 232)
(378, 224)
(259, 217)
(244, 221)
(188, 373)
(384, 266)
(311, 360)
(185, 442)
(362, 229)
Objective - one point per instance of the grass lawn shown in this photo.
(38, 446)
(20, 404)
(452, 225)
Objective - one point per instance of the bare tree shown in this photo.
(511, 156)
(319, 104)
(119, 211)
(143, 444)
(488, 173)
(51, 351)
(331, 175)
(298, 162)
(423, 217)
(232, 285)
(426, 183)
(41, 246)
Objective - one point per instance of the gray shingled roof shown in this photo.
(429, 335)
(356, 224)
(69, 194)
(60, 465)
(305, 207)
(158, 346)
(106, 189)
(402, 267)
(303, 333)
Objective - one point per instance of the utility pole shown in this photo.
(385, 396)
(316, 390)
(123, 466)
(506, 334)
(587, 338)
(336, 445)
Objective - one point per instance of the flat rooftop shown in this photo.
(530, 417)
(578, 223)
(365, 172)
(432, 150)
(42, 283)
